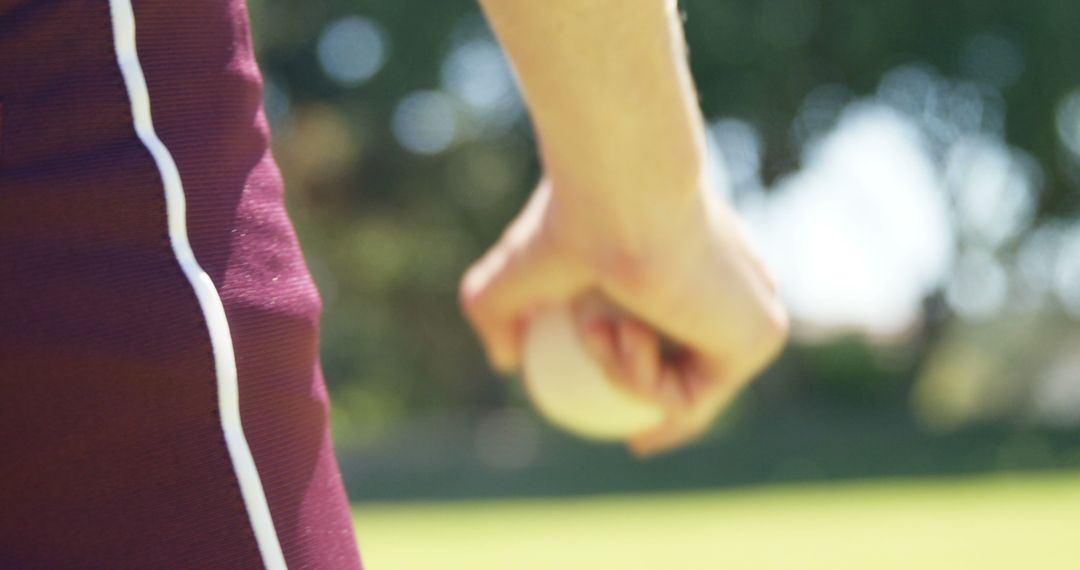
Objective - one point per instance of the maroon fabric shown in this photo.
(112, 453)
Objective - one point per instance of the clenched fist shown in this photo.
(697, 314)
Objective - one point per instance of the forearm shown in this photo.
(609, 92)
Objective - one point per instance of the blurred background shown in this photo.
(908, 168)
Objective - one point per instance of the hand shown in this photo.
(679, 268)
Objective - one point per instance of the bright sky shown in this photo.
(861, 233)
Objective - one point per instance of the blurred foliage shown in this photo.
(388, 230)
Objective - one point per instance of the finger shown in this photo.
(715, 387)
(670, 393)
(500, 332)
(513, 279)
(663, 439)
(713, 298)
(639, 354)
(702, 383)
(680, 428)
(627, 349)
(598, 334)
(705, 393)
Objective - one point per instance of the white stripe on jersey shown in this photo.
(123, 23)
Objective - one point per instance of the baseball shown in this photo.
(570, 388)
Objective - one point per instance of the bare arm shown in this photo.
(609, 91)
(625, 209)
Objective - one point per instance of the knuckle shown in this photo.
(772, 333)
(778, 328)
(466, 299)
(470, 293)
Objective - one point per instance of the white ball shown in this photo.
(570, 388)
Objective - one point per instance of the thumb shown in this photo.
(521, 273)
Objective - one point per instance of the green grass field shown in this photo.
(1015, 522)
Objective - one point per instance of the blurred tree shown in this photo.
(402, 171)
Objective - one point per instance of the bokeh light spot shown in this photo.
(993, 189)
(352, 50)
(736, 149)
(978, 287)
(1067, 272)
(1068, 123)
(477, 73)
(425, 122)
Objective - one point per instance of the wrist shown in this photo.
(631, 217)
(654, 169)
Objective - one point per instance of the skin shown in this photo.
(625, 224)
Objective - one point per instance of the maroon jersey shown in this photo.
(162, 403)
